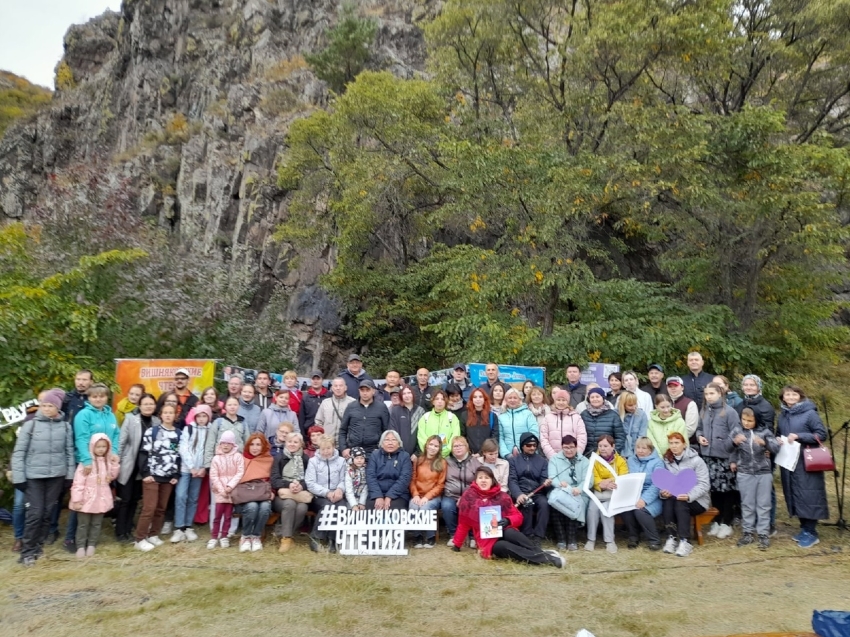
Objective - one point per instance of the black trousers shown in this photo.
(128, 496)
(535, 517)
(42, 498)
(677, 516)
(639, 520)
(320, 503)
(513, 545)
(725, 503)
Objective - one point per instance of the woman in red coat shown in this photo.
(486, 492)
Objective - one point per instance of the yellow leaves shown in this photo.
(635, 183)
(448, 119)
(578, 201)
(515, 313)
(686, 57)
(477, 224)
(586, 172)
(460, 97)
(475, 287)
(752, 175)
(594, 356)
(539, 276)
(507, 142)
(362, 193)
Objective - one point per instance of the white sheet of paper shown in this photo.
(789, 454)
(623, 498)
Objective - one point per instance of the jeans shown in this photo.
(810, 526)
(71, 532)
(430, 505)
(254, 517)
(449, 509)
(42, 497)
(186, 500)
(19, 514)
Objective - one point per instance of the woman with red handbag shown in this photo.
(804, 488)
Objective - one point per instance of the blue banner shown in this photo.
(513, 375)
(598, 373)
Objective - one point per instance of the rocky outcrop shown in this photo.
(191, 100)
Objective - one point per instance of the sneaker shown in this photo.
(418, 544)
(797, 536)
(589, 545)
(144, 545)
(724, 532)
(764, 542)
(472, 544)
(52, 537)
(670, 545)
(89, 551)
(572, 546)
(654, 546)
(429, 544)
(70, 546)
(808, 540)
(224, 542)
(315, 545)
(177, 536)
(28, 561)
(212, 543)
(556, 558)
(685, 549)
(713, 529)
(244, 545)
(154, 539)
(611, 547)
(190, 534)
(81, 553)
(167, 527)
(451, 542)
(746, 538)
(562, 546)
(633, 543)
(773, 531)
(256, 544)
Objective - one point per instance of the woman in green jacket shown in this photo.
(438, 422)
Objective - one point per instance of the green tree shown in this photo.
(19, 98)
(348, 50)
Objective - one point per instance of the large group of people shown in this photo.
(234, 460)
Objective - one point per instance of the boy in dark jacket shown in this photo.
(747, 444)
(528, 471)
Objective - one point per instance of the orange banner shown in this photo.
(157, 375)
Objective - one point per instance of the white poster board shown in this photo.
(789, 454)
(623, 498)
(373, 532)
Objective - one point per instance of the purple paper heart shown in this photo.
(676, 483)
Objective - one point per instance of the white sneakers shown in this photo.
(212, 544)
(256, 544)
(670, 545)
(224, 542)
(190, 534)
(723, 531)
(144, 545)
(713, 529)
(177, 536)
(685, 549)
(167, 527)
(589, 545)
(154, 539)
(245, 545)
(611, 547)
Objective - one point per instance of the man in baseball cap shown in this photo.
(656, 384)
(363, 421)
(186, 399)
(460, 379)
(311, 400)
(687, 407)
(353, 374)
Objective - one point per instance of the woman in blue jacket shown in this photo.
(517, 420)
(644, 460)
(388, 474)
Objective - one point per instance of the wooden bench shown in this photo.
(701, 520)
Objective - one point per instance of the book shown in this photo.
(623, 498)
(488, 520)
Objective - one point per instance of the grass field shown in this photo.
(188, 590)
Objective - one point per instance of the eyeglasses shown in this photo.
(530, 444)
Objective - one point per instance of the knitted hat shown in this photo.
(597, 390)
(203, 409)
(228, 438)
(54, 397)
(358, 451)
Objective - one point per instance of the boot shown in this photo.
(17, 546)
(285, 544)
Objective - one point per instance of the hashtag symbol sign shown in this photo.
(327, 518)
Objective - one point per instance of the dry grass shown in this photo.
(187, 590)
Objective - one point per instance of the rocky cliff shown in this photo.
(189, 101)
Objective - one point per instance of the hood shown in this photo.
(521, 407)
(644, 461)
(563, 412)
(220, 452)
(329, 460)
(690, 452)
(732, 394)
(97, 437)
(242, 403)
(527, 436)
(800, 408)
(313, 392)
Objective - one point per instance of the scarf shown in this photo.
(474, 498)
(538, 411)
(358, 477)
(596, 411)
(257, 467)
(573, 462)
(456, 405)
(610, 458)
(294, 469)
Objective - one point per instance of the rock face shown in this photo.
(191, 100)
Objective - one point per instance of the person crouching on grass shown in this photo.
(91, 495)
(484, 492)
(42, 462)
(159, 467)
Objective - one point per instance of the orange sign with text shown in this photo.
(157, 374)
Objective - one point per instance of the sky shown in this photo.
(31, 33)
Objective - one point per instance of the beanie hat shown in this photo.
(228, 437)
(358, 451)
(597, 390)
(54, 397)
(204, 409)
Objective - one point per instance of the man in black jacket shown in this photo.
(311, 399)
(528, 471)
(656, 384)
(363, 421)
(353, 374)
(697, 380)
(76, 399)
(574, 385)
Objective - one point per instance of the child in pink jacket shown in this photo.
(91, 495)
(226, 470)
